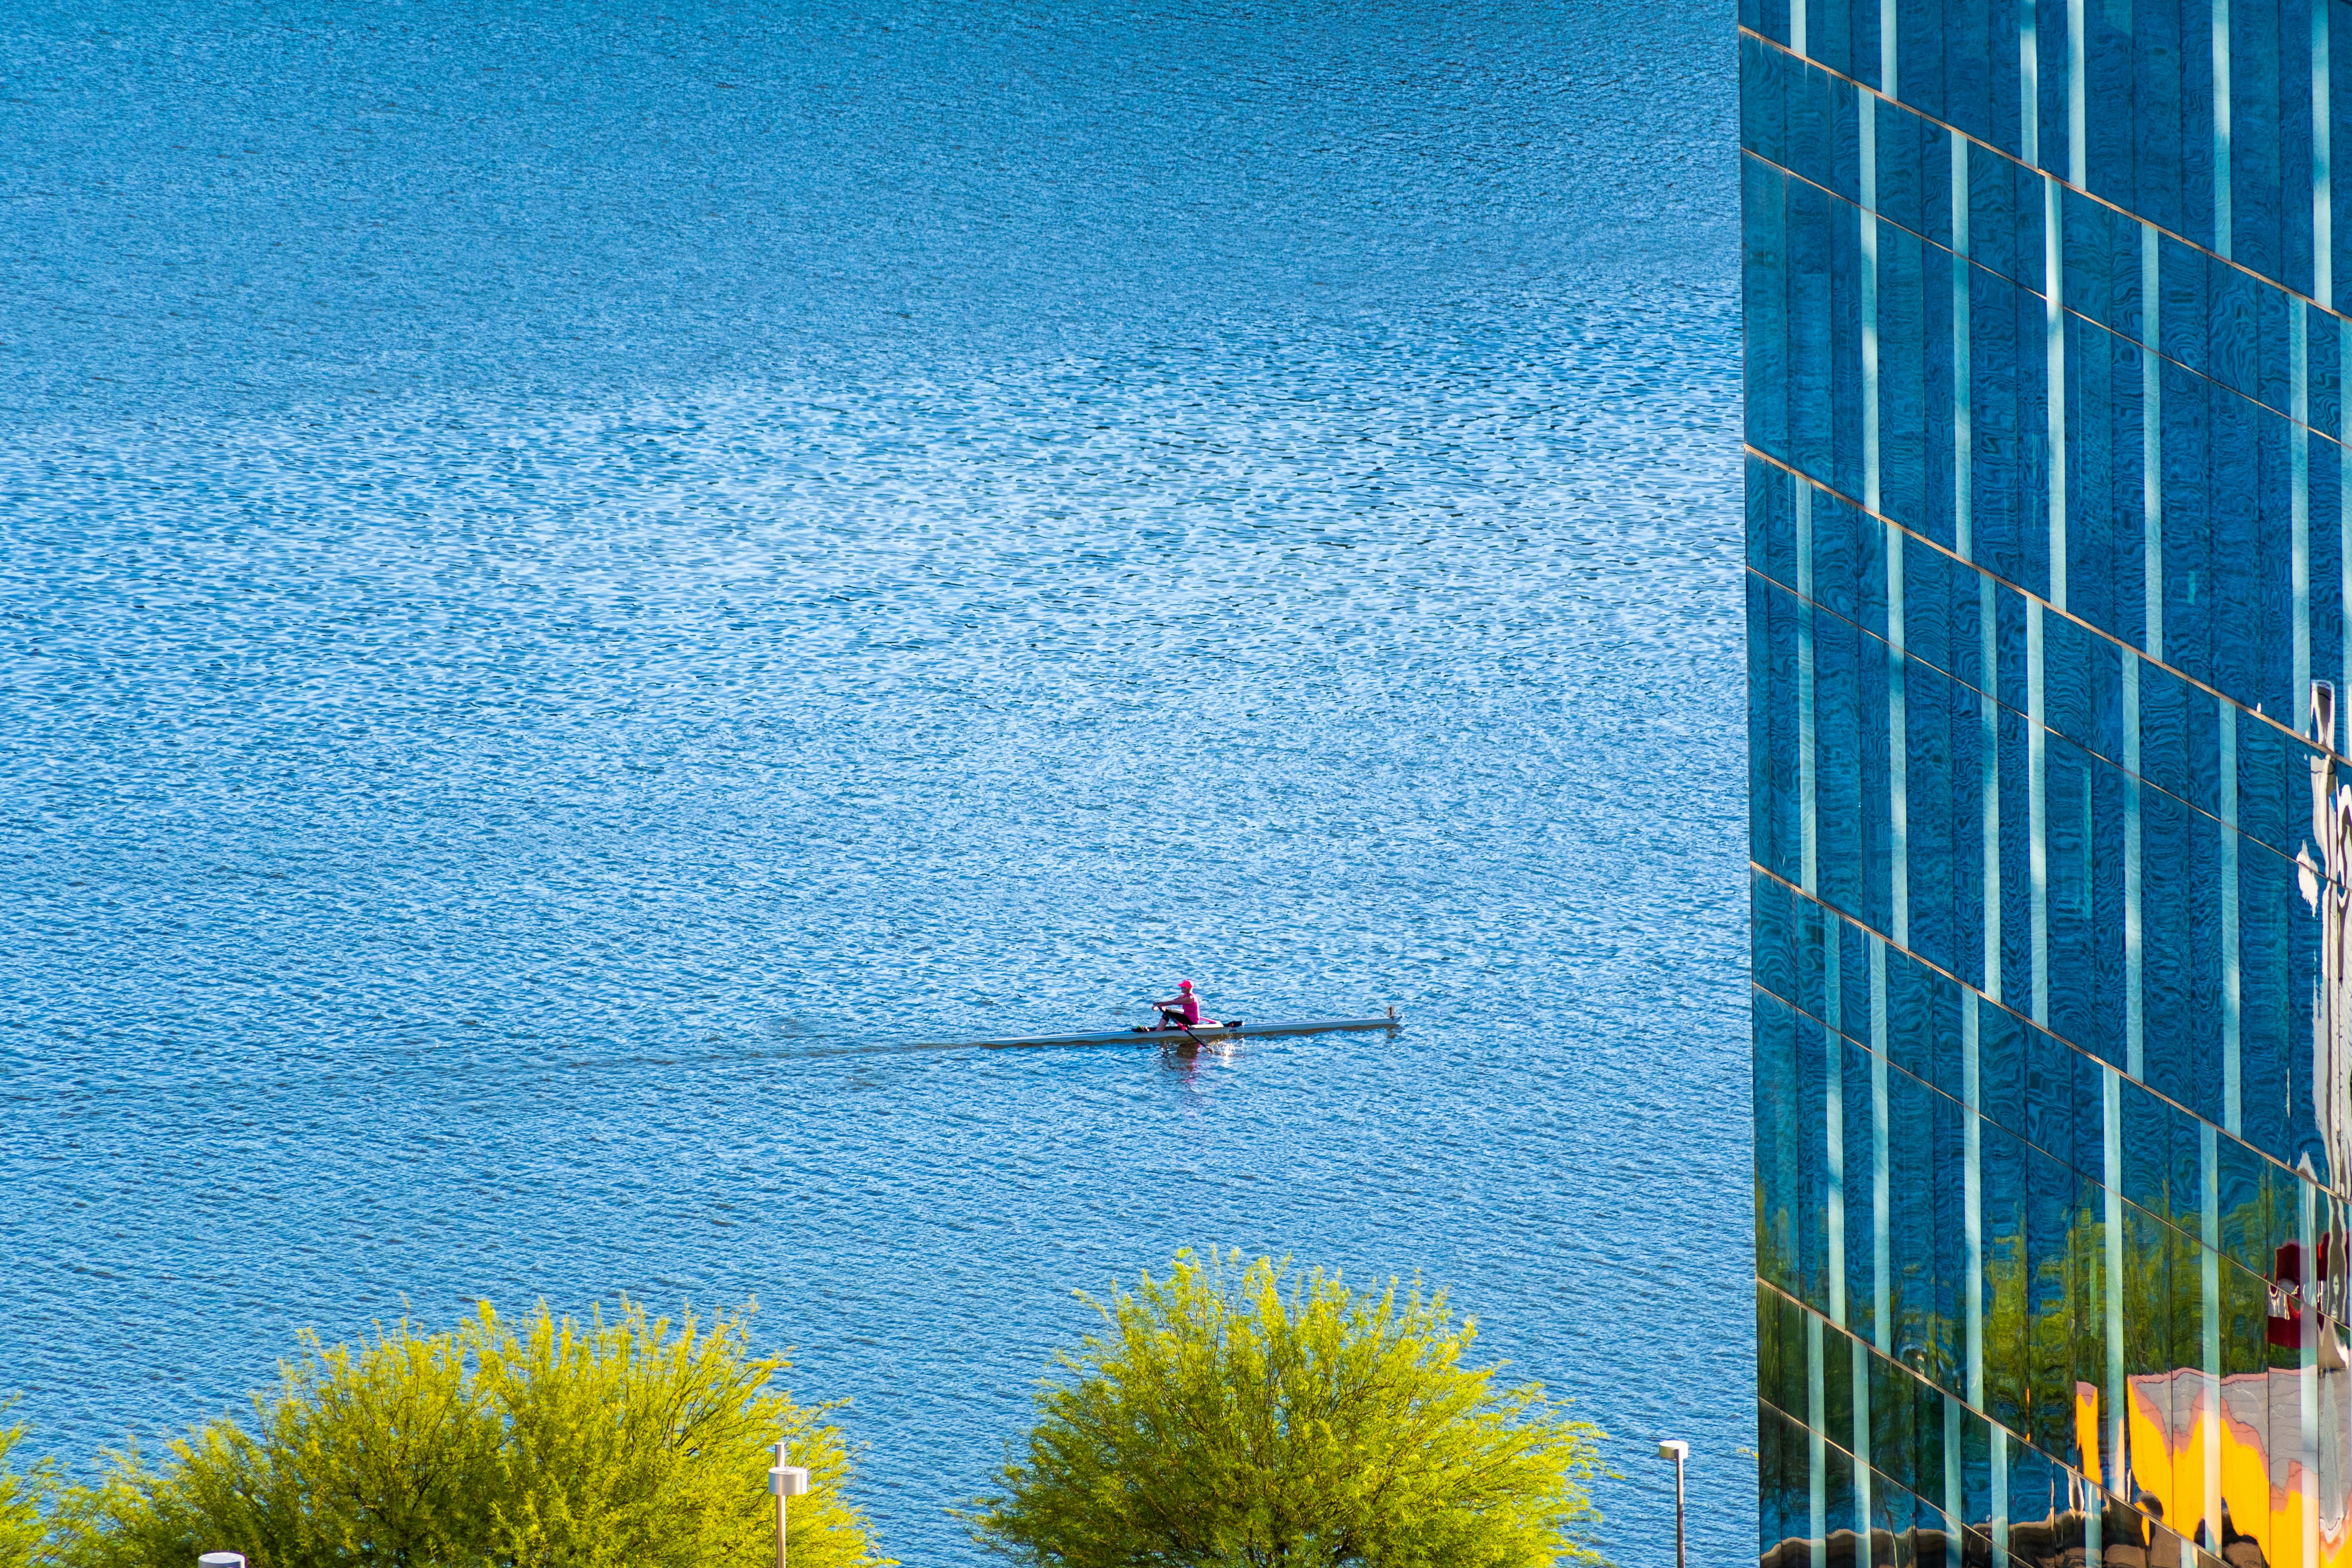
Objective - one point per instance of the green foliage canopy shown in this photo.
(1231, 1417)
(23, 1497)
(587, 1447)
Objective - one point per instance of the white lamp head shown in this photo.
(788, 1480)
(1675, 1451)
(221, 1560)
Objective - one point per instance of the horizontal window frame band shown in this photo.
(2088, 747)
(1880, 1482)
(1764, 1285)
(2221, 1255)
(2139, 346)
(2048, 608)
(2039, 171)
(1759, 869)
(1829, 1328)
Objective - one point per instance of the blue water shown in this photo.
(570, 581)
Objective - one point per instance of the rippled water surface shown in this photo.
(573, 576)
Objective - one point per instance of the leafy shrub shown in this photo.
(23, 1497)
(1229, 1417)
(607, 1443)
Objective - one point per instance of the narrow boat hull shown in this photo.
(1199, 1034)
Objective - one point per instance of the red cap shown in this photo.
(1183, 985)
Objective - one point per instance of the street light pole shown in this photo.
(1677, 1452)
(785, 1481)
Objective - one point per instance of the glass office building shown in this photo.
(2049, 520)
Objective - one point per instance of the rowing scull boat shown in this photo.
(1200, 1034)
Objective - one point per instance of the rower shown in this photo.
(1182, 1010)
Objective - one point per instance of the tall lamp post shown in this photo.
(785, 1481)
(1677, 1452)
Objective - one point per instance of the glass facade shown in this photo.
(2048, 522)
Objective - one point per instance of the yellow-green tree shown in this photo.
(1229, 1416)
(23, 1496)
(591, 1445)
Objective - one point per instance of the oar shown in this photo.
(1195, 1038)
(1188, 1033)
